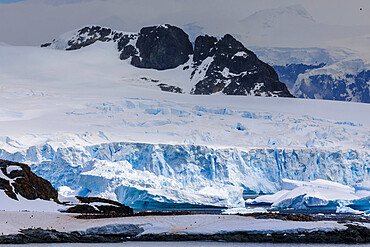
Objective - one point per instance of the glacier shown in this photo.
(145, 175)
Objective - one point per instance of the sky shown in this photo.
(10, 1)
(32, 22)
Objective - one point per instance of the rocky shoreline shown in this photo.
(354, 234)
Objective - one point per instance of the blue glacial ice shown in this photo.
(318, 194)
(145, 175)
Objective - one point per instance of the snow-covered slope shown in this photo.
(86, 120)
(21, 189)
(22, 204)
(161, 225)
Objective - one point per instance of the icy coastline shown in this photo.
(53, 227)
(145, 175)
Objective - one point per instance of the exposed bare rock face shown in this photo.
(17, 179)
(96, 205)
(162, 47)
(233, 69)
(222, 65)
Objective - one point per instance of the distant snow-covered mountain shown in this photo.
(294, 27)
(314, 60)
(317, 73)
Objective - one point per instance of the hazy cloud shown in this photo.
(32, 22)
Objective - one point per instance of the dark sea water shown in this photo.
(185, 244)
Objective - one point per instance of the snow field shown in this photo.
(189, 224)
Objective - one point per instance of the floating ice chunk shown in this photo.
(347, 210)
(66, 194)
(364, 186)
(316, 194)
(235, 196)
(268, 199)
(244, 210)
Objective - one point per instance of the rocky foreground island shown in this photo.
(37, 227)
(32, 212)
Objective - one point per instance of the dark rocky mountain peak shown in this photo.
(90, 34)
(162, 47)
(234, 70)
(203, 48)
(218, 65)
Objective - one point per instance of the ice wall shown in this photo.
(158, 175)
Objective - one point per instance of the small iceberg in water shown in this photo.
(244, 211)
(318, 194)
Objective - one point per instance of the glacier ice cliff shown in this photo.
(145, 175)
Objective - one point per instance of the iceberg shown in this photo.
(318, 194)
(257, 210)
(347, 210)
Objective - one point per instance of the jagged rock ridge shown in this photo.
(217, 65)
(18, 180)
(234, 70)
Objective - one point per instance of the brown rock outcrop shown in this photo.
(22, 181)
